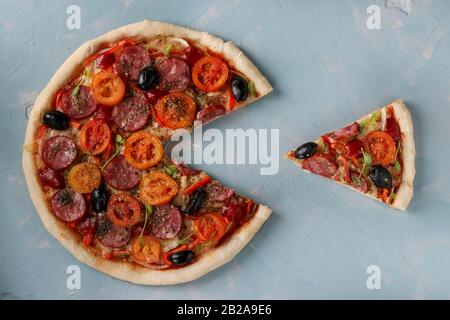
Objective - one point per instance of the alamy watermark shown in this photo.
(237, 146)
(374, 280)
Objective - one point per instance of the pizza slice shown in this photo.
(374, 155)
(94, 161)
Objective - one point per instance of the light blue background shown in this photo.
(327, 69)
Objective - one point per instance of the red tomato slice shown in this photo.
(209, 74)
(381, 147)
(123, 210)
(210, 227)
(94, 136)
(175, 110)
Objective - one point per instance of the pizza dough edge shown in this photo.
(405, 190)
(124, 271)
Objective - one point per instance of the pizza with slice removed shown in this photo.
(374, 155)
(94, 163)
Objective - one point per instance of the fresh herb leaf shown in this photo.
(148, 212)
(77, 87)
(119, 141)
(391, 196)
(184, 241)
(166, 49)
(397, 166)
(170, 170)
(367, 162)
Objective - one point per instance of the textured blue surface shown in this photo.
(327, 69)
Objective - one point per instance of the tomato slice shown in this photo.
(209, 74)
(143, 150)
(95, 136)
(84, 177)
(109, 88)
(158, 188)
(146, 249)
(210, 227)
(381, 146)
(175, 110)
(123, 210)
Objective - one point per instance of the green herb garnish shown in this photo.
(119, 141)
(367, 162)
(77, 87)
(184, 240)
(391, 196)
(170, 170)
(367, 122)
(148, 212)
(166, 49)
(397, 166)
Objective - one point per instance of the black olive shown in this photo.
(56, 120)
(381, 177)
(306, 150)
(147, 78)
(182, 257)
(239, 88)
(196, 201)
(99, 199)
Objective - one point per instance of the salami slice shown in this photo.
(211, 112)
(165, 222)
(79, 105)
(174, 75)
(320, 164)
(345, 134)
(120, 175)
(111, 235)
(132, 114)
(68, 205)
(131, 60)
(218, 192)
(59, 152)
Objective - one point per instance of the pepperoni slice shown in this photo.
(68, 205)
(78, 106)
(211, 112)
(59, 152)
(174, 75)
(131, 60)
(218, 192)
(132, 114)
(165, 222)
(120, 175)
(344, 134)
(320, 164)
(51, 178)
(111, 235)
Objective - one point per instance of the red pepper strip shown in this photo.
(87, 239)
(169, 253)
(347, 176)
(74, 124)
(72, 225)
(119, 45)
(58, 97)
(197, 185)
(41, 131)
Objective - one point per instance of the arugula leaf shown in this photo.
(184, 241)
(170, 170)
(166, 49)
(77, 87)
(119, 141)
(397, 166)
(367, 162)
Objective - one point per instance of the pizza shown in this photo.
(374, 155)
(94, 160)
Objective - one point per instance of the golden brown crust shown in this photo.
(125, 271)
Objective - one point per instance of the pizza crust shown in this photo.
(126, 271)
(405, 190)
